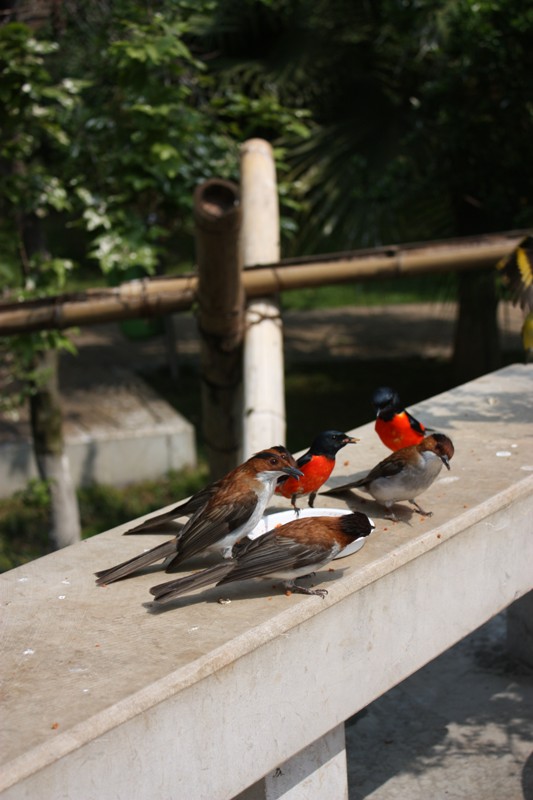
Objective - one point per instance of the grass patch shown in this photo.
(421, 289)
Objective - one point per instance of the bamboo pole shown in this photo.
(264, 391)
(163, 295)
(139, 298)
(217, 217)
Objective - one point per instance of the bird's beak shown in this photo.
(351, 440)
(446, 461)
(292, 472)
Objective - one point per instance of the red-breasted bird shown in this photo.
(406, 473)
(285, 553)
(395, 426)
(317, 465)
(229, 512)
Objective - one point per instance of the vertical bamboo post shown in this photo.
(220, 321)
(264, 395)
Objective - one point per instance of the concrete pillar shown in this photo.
(317, 772)
(264, 389)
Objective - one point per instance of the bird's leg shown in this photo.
(293, 504)
(390, 514)
(294, 587)
(421, 510)
(311, 500)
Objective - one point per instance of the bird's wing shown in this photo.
(517, 273)
(211, 524)
(304, 459)
(416, 425)
(390, 466)
(270, 554)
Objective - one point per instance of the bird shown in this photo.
(405, 474)
(290, 551)
(229, 511)
(395, 426)
(516, 271)
(316, 464)
(167, 521)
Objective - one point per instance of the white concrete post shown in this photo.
(317, 772)
(264, 394)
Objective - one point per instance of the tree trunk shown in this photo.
(49, 448)
(217, 216)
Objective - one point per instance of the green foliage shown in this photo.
(153, 124)
(106, 131)
(116, 121)
(421, 112)
(21, 375)
(143, 142)
(481, 63)
(33, 147)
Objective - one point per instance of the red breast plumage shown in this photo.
(316, 465)
(285, 553)
(229, 512)
(395, 426)
(406, 473)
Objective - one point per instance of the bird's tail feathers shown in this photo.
(345, 486)
(143, 560)
(160, 523)
(165, 592)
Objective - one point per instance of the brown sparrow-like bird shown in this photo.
(228, 512)
(406, 473)
(285, 553)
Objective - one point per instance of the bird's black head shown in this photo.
(356, 524)
(328, 443)
(386, 401)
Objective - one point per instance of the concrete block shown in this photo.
(117, 431)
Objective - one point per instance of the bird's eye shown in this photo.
(274, 461)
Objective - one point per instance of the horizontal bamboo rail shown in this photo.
(163, 295)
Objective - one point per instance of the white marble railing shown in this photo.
(103, 699)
